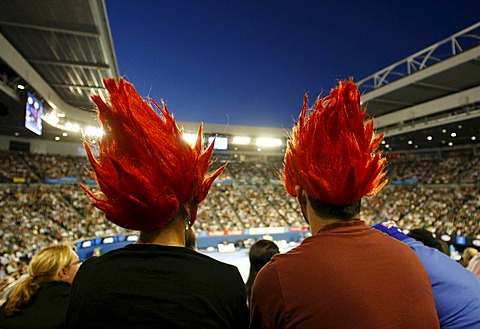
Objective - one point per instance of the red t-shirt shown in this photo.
(346, 276)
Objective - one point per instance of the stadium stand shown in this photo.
(47, 205)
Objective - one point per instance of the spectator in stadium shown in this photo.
(456, 290)
(474, 265)
(260, 254)
(152, 180)
(346, 275)
(467, 256)
(427, 238)
(41, 299)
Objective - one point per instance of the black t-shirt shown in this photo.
(154, 286)
(46, 310)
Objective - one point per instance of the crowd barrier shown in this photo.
(213, 239)
(205, 239)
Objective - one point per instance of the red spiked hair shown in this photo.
(145, 170)
(332, 153)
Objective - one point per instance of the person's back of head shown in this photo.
(427, 238)
(260, 254)
(147, 172)
(467, 255)
(52, 263)
(332, 155)
(152, 180)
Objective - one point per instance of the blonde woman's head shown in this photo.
(57, 262)
(54, 263)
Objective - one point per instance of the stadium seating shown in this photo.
(42, 202)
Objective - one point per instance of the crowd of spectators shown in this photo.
(446, 200)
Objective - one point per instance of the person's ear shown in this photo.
(63, 274)
(302, 198)
(301, 195)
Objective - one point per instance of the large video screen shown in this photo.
(221, 143)
(33, 114)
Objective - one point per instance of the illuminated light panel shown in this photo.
(72, 126)
(445, 238)
(93, 131)
(190, 138)
(241, 140)
(268, 142)
(51, 119)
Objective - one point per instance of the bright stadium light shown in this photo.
(190, 138)
(241, 140)
(93, 132)
(268, 142)
(51, 119)
(72, 126)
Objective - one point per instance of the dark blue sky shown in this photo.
(250, 62)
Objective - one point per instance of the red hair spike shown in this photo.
(145, 169)
(333, 152)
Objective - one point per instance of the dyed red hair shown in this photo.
(146, 170)
(332, 153)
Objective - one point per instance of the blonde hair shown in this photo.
(44, 267)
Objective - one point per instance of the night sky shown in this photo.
(250, 62)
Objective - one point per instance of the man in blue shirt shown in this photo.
(456, 290)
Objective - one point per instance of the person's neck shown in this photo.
(173, 234)
(318, 224)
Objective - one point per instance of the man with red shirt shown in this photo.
(346, 275)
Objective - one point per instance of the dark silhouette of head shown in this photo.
(427, 238)
(260, 254)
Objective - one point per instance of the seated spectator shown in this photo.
(40, 300)
(152, 180)
(467, 256)
(474, 265)
(427, 238)
(260, 254)
(456, 290)
(346, 275)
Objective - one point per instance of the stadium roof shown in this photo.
(61, 50)
(431, 98)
